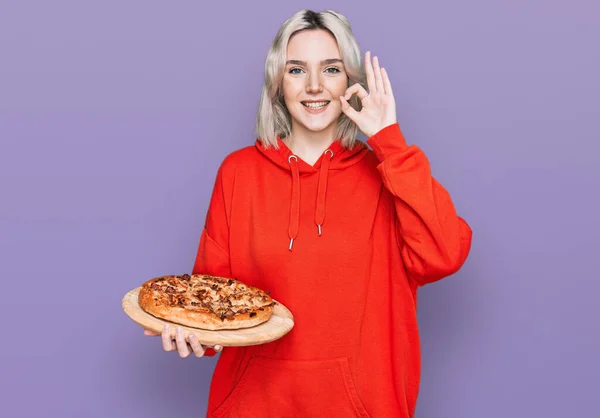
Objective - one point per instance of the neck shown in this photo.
(310, 145)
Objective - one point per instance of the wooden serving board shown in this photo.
(280, 323)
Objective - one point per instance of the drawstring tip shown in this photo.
(320, 231)
(291, 243)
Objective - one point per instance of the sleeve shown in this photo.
(213, 251)
(433, 240)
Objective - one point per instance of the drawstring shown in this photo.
(321, 194)
(321, 191)
(295, 206)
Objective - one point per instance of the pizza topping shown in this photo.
(223, 298)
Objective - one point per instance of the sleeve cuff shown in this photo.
(388, 141)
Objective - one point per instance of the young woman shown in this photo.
(341, 234)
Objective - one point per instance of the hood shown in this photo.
(336, 157)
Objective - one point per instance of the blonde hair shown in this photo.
(273, 117)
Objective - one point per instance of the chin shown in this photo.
(318, 125)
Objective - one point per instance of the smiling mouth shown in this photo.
(315, 105)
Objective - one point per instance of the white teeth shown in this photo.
(317, 105)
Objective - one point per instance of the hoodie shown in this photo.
(344, 244)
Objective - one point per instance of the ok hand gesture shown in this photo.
(378, 105)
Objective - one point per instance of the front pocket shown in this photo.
(294, 388)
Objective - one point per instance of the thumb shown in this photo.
(349, 110)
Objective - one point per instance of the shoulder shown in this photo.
(369, 164)
(238, 158)
(370, 160)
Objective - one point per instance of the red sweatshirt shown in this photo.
(366, 228)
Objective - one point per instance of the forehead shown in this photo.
(312, 45)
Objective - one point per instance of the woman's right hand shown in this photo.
(184, 346)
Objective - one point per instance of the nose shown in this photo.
(313, 84)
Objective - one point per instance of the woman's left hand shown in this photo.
(378, 105)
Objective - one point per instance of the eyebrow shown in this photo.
(324, 62)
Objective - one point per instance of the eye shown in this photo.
(332, 70)
(295, 70)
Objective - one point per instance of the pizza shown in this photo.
(205, 301)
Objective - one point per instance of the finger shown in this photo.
(151, 333)
(356, 89)
(378, 78)
(182, 346)
(369, 72)
(387, 84)
(349, 110)
(196, 346)
(167, 341)
(218, 348)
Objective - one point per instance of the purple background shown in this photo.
(114, 117)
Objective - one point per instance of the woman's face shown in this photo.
(313, 81)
